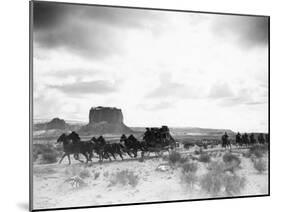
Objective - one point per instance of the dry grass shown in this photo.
(76, 176)
(260, 165)
(258, 150)
(232, 162)
(212, 181)
(48, 152)
(197, 152)
(183, 160)
(82, 172)
(188, 176)
(44, 171)
(50, 157)
(204, 157)
(233, 184)
(175, 157)
(75, 182)
(124, 177)
(105, 174)
(96, 175)
(229, 158)
(189, 168)
(219, 182)
(85, 173)
(189, 179)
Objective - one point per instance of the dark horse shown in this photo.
(73, 145)
(105, 150)
(225, 141)
(261, 139)
(238, 140)
(132, 145)
(245, 139)
(253, 140)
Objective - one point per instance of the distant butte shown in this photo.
(105, 120)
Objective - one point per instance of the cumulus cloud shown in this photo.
(246, 31)
(169, 88)
(245, 97)
(159, 67)
(220, 90)
(87, 31)
(158, 106)
(90, 87)
(72, 72)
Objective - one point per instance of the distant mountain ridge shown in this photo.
(186, 130)
(38, 120)
(109, 120)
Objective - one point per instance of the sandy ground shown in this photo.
(53, 189)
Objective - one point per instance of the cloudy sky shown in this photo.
(159, 67)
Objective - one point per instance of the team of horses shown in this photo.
(73, 145)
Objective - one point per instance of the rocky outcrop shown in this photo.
(105, 120)
(56, 123)
(110, 115)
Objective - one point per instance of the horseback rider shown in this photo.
(149, 136)
(238, 139)
(225, 136)
(245, 139)
(225, 140)
(101, 141)
(252, 138)
(261, 139)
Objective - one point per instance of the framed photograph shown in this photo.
(146, 105)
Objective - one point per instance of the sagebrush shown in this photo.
(204, 157)
(188, 176)
(124, 177)
(49, 153)
(174, 157)
(189, 167)
(260, 165)
(233, 184)
(232, 162)
(258, 150)
(50, 157)
(229, 158)
(85, 173)
(219, 182)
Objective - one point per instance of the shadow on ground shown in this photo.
(23, 205)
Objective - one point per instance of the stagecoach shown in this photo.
(158, 140)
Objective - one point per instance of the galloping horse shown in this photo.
(71, 145)
(104, 150)
(132, 145)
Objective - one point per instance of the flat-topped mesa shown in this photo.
(110, 115)
(105, 120)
